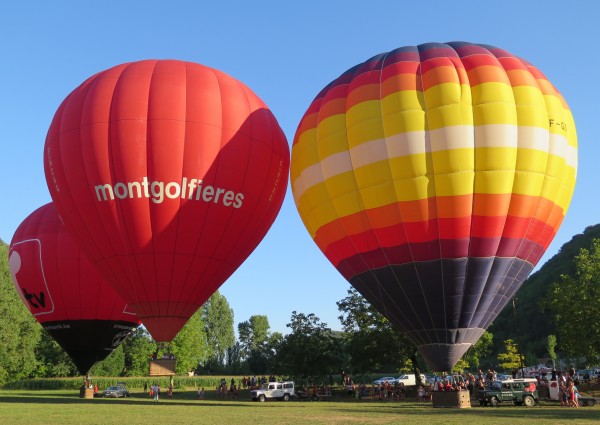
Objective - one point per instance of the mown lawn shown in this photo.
(66, 408)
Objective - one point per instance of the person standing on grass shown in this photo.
(573, 393)
(421, 394)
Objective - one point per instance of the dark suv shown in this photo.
(517, 391)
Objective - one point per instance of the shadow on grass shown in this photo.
(184, 399)
(546, 413)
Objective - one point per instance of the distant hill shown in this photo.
(534, 325)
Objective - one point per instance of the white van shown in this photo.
(410, 379)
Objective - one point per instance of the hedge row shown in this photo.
(131, 382)
(208, 382)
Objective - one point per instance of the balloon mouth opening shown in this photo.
(443, 357)
(164, 328)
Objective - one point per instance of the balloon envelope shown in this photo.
(434, 177)
(169, 174)
(67, 295)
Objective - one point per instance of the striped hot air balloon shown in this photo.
(434, 177)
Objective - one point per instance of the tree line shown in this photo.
(366, 344)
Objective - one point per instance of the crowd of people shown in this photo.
(565, 380)
(227, 392)
(223, 391)
(230, 391)
(155, 391)
(254, 382)
(568, 394)
(384, 391)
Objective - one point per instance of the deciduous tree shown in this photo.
(253, 333)
(552, 349)
(113, 365)
(257, 345)
(372, 343)
(310, 349)
(19, 332)
(138, 349)
(218, 322)
(510, 359)
(52, 361)
(481, 349)
(575, 303)
(190, 346)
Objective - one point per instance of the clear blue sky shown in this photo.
(286, 52)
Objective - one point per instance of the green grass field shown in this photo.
(66, 408)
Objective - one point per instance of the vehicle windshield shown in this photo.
(496, 385)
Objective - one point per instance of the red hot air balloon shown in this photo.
(433, 177)
(67, 295)
(169, 174)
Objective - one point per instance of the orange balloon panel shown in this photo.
(65, 292)
(169, 173)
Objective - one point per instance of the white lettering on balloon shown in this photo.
(157, 191)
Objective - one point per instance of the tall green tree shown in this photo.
(257, 346)
(510, 359)
(262, 359)
(479, 350)
(190, 346)
(52, 360)
(310, 349)
(19, 332)
(372, 343)
(575, 304)
(138, 349)
(233, 359)
(552, 349)
(537, 321)
(253, 333)
(218, 322)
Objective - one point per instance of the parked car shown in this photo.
(116, 391)
(410, 379)
(431, 379)
(390, 379)
(586, 375)
(277, 390)
(521, 391)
